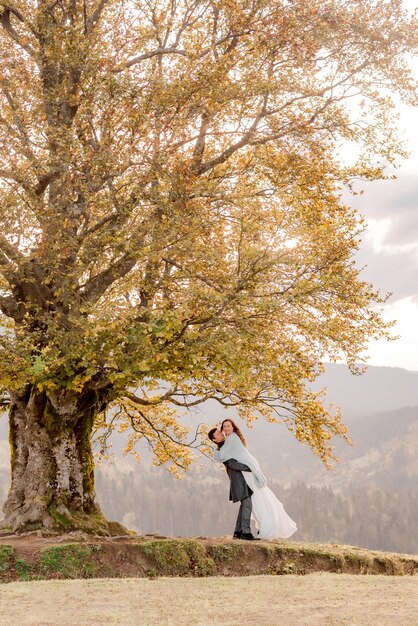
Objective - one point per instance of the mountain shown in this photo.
(379, 389)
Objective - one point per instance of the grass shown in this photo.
(178, 558)
(226, 552)
(136, 557)
(71, 561)
(23, 569)
(6, 554)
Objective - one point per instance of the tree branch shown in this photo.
(201, 140)
(234, 37)
(11, 176)
(5, 22)
(11, 308)
(90, 22)
(45, 180)
(10, 251)
(99, 283)
(149, 55)
(245, 140)
(200, 277)
(19, 16)
(18, 121)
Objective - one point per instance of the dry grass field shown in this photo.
(320, 599)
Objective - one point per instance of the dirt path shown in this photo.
(313, 600)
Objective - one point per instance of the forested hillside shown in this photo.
(198, 506)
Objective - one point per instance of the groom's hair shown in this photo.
(211, 433)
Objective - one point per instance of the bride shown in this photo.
(271, 520)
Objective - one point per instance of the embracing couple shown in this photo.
(249, 486)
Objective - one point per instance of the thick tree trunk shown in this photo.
(52, 468)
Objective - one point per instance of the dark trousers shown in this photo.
(243, 524)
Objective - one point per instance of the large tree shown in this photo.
(172, 228)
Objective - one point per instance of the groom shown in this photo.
(239, 490)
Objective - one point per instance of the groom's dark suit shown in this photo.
(240, 491)
(238, 488)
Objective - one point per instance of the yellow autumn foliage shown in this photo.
(172, 228)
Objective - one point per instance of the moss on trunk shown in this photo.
(52, 466)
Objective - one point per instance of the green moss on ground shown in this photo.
(29, 558)
(6, 554)
(70, 561)
(178, 558)
(226, 552)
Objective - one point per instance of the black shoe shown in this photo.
(248, 536)
(237, 535)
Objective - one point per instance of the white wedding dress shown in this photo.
(271, 520)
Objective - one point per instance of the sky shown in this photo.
(389, 249)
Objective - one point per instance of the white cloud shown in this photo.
(402, 352)
(377, 231)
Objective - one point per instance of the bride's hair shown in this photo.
(236, 430)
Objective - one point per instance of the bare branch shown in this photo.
(161, 434)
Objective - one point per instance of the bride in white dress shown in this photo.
(271, 520)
